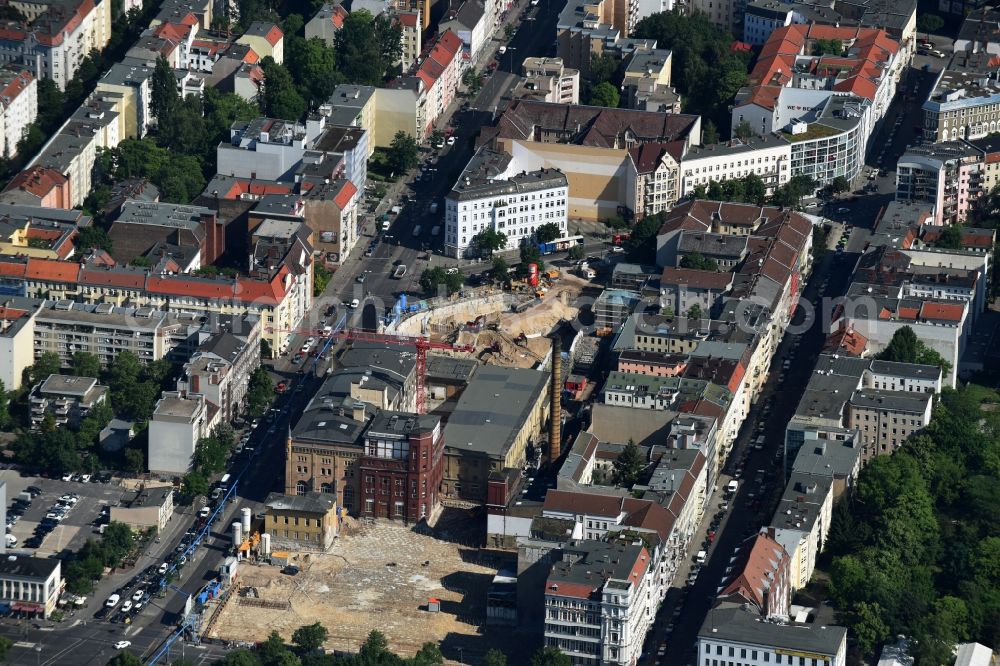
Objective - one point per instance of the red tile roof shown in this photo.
(407, 19)
(52, 270)
(274, 35)
(583, 503)
(347, 192)
(123, 279)
(941, 311)
(16, 86)
(37, 180)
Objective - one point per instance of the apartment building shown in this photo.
(646, 85)
(653, 177)
(683, 289)
(884, 420)
(144, 508)
(759, 578)
(769, 156)
(17, 330)
(947, 175)
(400, 107)
(178, 422)
(265, 148)
(547, 80)
(18, 106)
(468, 20)
(402, 467)
(411, 38)
(279, 290)
(492, 194)
(964, 103)
(801, 523)
(597, 603)
(731, 634)
(266, 39)
(132, 79)
(56, 39)
(593, 147)
(326, 22)
(221, 367)
(586, 28)
(440, 74)
(66, 398)
(331, 211)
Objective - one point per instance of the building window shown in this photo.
(301, 488)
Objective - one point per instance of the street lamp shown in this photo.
(38, 655)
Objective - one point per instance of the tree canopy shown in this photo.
(367, 47)
(698, 261)
(916, 550)
(906, 347)
(434, 278)
(546, 233)
(605, 94)
(489, 240)
(404, 153)
(629, 465)
(641, 245)
(706, 71)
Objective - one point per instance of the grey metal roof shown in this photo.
(802, 501)
(17, 566)
(485, 176)
(311, 502)
(733, 623)
(828, 456)
(893, 401)
(910, 370)
(402, 424)
(493, 408)
(594, 563)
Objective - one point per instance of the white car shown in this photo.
(121, 645)
(85, 478)
(452, 270)
(112, 601)
(127, 606)
(163, 568)
(451, 141)
(137, 594)
(355, 303)
(67, 477)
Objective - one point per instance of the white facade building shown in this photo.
(178, 422)
(734, 635)
(769, 156)
(490, 194)
(598, 605)
(18, 107)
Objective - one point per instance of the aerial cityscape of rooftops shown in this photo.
(499, 332)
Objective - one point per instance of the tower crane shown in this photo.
(421, 344)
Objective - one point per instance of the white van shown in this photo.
(11, 540)
(732, 486)
(700, 557)
(224, 481)
(204, 513)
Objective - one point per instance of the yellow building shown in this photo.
(266, 39)
(310, 521)
(500, 412)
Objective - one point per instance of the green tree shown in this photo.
(494, 657)
(404, 153)
(366, 47)
(374, 649)
(124, 658)
(603, 68)
(709, 133)
(870, 630)
(790, 194)
(550, 656)
(135, 460)
(5, 420)
(195, 484)
(278, 96)
(840, 184)
(832, 47)
(499, 269)
(312, 65)
(698, 261)
(433, 278)
(743, 131)
(928, 23)
(902, 347)
(321, 278)
(428, 655)
(548, 232)
(575, 253)
(310, 637)
(641, 245)
(694, 312)
(950, 237)
(489, 240)
(529, 254)
(163, 85)
(260, 393)
(86, 364)
(46, 364)
(5, 645)
(605, 94)
(91, 237)
(629, 465)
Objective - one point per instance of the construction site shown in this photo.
(507, 328)
(412, 587)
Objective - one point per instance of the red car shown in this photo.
(282, 387)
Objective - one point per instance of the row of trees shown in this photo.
(306, 650)
(916, 549)
(752, 189)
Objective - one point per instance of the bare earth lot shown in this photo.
(379, 577)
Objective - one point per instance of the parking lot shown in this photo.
(71, 530)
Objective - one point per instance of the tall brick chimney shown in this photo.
(555, 411)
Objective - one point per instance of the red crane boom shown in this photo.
(422, 344)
